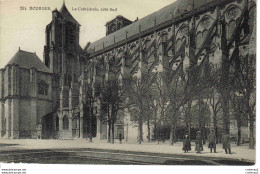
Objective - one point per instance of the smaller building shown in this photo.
(25, 95)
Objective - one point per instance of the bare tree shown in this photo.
(112, 99)
(244, 82)
(214, 98)
(182, 89)
(238, 112)
(138, 91)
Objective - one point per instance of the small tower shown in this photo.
(116, 24)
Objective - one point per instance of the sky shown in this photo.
(26, 28)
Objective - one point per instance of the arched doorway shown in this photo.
(47, 126)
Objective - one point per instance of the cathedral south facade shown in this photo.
(60, 98)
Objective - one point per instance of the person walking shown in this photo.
(198, 143)
(212, 141)
(226, 143)
(186, 143)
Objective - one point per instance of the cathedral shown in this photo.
(49, 99)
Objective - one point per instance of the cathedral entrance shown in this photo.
(48, 126)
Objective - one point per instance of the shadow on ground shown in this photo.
(2, 144)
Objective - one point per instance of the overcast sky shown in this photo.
(26, 28)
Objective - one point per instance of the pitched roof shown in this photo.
(28, 60)
(66, 14)
(173, 10)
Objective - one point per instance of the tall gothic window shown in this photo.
(204, 35)
(231, 28)
(199, 39)
(178, 44)
(65, 122)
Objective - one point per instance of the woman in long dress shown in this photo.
(186, 144)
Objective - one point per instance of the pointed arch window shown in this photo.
(199, 39)
(204, 35)
(178, 44)
(231, 29)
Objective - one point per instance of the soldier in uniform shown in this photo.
(212, 141)
(226, 143)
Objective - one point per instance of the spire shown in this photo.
(66, 14)
(63, 4)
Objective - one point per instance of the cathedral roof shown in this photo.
(66, 14)
(167, 13)
(28, 60)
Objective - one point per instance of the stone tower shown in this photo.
(61, 56)
(61, 53)
(116, 24)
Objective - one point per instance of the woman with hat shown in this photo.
(186, 143)
(198, 143)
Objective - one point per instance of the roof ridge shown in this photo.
(27, 51)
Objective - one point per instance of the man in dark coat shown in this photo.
(198, 143)
(186, 144)
(212, 141)
(226, 143)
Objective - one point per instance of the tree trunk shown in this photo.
(238, 130)
(109, 131)
(251, 133)
(140, 127)
(204, 133)
(155, 131)
(113, 132)
(140, 131)
(172, 135)
(215, 126)
(149, 133)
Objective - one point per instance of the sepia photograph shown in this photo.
(128, 82)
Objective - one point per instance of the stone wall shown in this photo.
(21, 106)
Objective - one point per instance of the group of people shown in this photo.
(212, 139)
